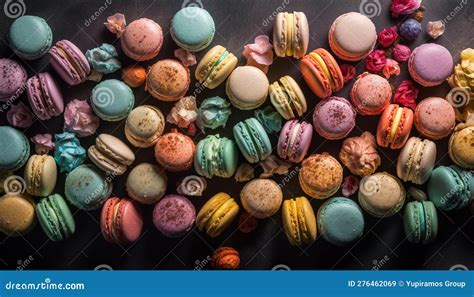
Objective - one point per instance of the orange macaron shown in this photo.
(322, 73)
(394, 126)
(175, 151)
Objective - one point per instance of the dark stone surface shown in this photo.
(238, 22)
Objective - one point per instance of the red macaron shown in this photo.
(121, 221)
(394, 126)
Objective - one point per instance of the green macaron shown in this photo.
(450, 187)
(252, 140)
(55, 217)
(420, 222)
(215, 156)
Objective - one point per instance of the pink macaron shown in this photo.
(371, 94)
(174, 215)
(142, 39)
(430, 64)
(44, 96)
(435, 118)
(334, 118)
(121, 221)
(295, 139)
(69, 62)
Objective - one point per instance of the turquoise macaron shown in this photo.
(192, 28)
(55, 217)
(252, 140)
(420, 222)
(340, 221)
(30, 37)
(450, 187)
(112, 100)
(216, 156)
(15, 149)
(86, 187)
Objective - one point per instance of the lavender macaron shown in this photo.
(69, 62)
(174, 215)
(430, 64)
(295, 139)
(334, 118)
(12, 79)
(44, 95)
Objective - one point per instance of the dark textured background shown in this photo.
(383, 245)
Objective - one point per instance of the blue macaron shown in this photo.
(215, 156)
(451, 187)
(192, 28)
(86, 187)
(15, 149)
(252, 140)
(30, 37)
(340, 221)
(420, 222)
(112, 100)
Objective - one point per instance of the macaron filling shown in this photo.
(216, 63)
(395, 123)
(289, 34)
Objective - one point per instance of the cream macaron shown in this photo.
(110, 154)
(144, 126)
(40, 175)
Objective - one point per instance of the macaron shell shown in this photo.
(301, 35)
(261, 198)
(445, 180)
(210, 71)
(44, 96)
(107, 218)
(298, 100)
(55, 217)
(174, 215)
(333, 67)
(217, 214)
(40, 175)
(402, 128)
(12, 79)
(371, 94)
(69, 62)
(424, 70)
(247, 87)
(105, 162)
(435, 118)
(252, 140)
(131, 222)
(175, 151)
(111, 154)
(146, 183)
(168, 80)
(461, 149)
(144, 125)
(315, 78)
(416, 160)
(112, 100)
(431, 221)
(334, 118)
(192, 28)
(411, 222)
(142, 39)
(320, 175)
(20, 37)
(294, 150)
(17, 214)
(15, 149)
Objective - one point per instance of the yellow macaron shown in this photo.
(299, 221)
(215, 66)
(217, 214)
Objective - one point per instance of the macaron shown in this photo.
(216, 65)
(371, 94)
(168, 80)
(142, 39)
(287, 98)
(247, 87)
(340, 221)
(299, 221)
(44, 95)
(450, 187)
(17, 214)
(216, 156)
(217, 214)
(12, 79)
(40, 175)
(144, 125)
(87, 188)
(146, 183)
(352, 36)
(294, 141)
(381, 194)
(320, 175)
(112, 100)
(430, 64)
(420, 222)
(416, 160)
(252, 140)
(394, 126)
(322, 73)
(174, 215)
(175, 151)
(192, 28)
(435, 118)
(30, 37)
(110, 154)
(55, 217)
(69, 62)
(334, 118)
(15, 149)
(461, 145)
(261, 197)
(291, 34)
(121, 221)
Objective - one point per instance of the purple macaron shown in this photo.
(334, 118)
(295, 139)
(69, 62)
(430, 64)
(44, 96)
(174, 215)
(12, 79)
